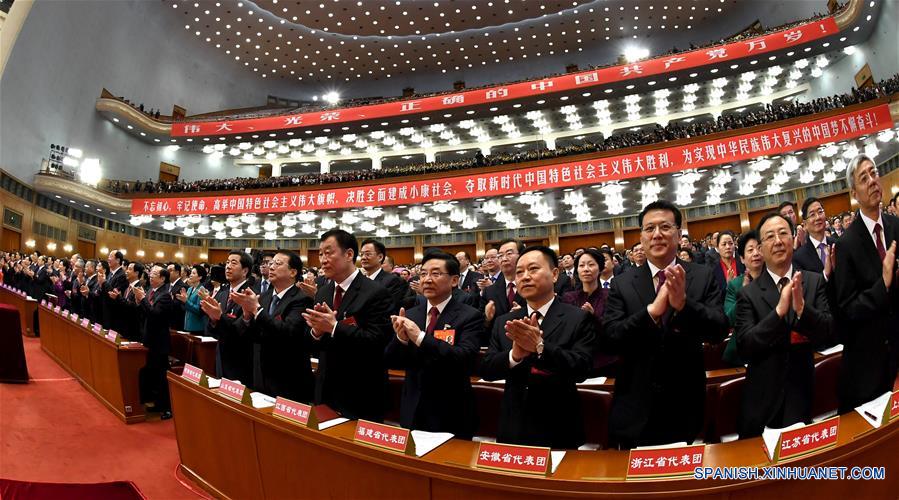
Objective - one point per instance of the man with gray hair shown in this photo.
(865, 291)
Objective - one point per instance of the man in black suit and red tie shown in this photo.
(274, 320)
(372, 254)
(657, 317)
(780, 317)
(155, 306)
(502, 296)
(468, 278)
(541, 350)
(437, 345)
(234, 357)
(865, 291)
(815, 256)
(350, 326)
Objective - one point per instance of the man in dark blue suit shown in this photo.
(155, 306)
(502, 296)
(437, 345)
(816, 255)
(234, 357)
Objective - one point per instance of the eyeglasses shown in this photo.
(434, 275)
(664, 228)
(815, 213)
(782, 234)
(509, 253)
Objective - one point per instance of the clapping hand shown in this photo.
(405, 328)
(525, 334)
(321, 319)
(212, 308)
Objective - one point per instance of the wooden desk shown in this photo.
(191, 349)
(26, 307)
(235, 451)
(108, 371)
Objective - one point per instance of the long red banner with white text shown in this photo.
(568, 174)
(750, 47)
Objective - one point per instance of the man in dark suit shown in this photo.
(726, 266)
(115, 281)
(865, 291)
(371, 256)
(350, 324)
(234, 357)
(176, 320)
(156, 307)
(274, 320)
(437, 345)
(128, 307)
(468, 278)
(657, 317)
(85, 291)
(567, 273)
(815, 256)
(502, 296)
(779, 318)
(542, 351)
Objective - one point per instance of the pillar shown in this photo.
(375, 162)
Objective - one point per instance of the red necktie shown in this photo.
(338, 297)
(151, 295)
(511, 293)
(661, 276)
(880, 249)
(432, 320)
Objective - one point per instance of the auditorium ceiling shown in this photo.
(344, 40)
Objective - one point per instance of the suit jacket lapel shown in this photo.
(642, 282)
(768, 288)
(866, 238)
(553, 319)
(350, 295)
(448, 316)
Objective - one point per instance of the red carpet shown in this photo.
(53, 430)
(21, 490)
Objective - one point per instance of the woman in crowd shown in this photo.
(194, 319)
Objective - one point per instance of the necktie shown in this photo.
(606, 284)
(338, 297)
(273, 305)
(510, 294)
(432, 320)
(152, 293)
(781, 283)
(879, 243)
(661, 277)
(821, 253)
(461, 280)
(264, 287)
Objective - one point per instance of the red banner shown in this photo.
(808, 439)
(664, 462)
(383, 436)
(585, 172)
(751, 47)
(514, 458)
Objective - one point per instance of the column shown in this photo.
(480, 244)
(550, 142)
(554, 237)
(276, 168)
(744, 215)
(618, 228)
(375, 162)
(430, 155)
(325, 166)
(419, 247)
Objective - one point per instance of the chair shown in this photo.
(727, 408)
(827, 373)
(488, 401)
(596, 406)
(13, 367)
(712, 355)
(395, 387)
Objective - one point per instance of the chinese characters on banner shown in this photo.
(514, 458)
(752, 47)
(802, 441)
(291, 410)
(585, 172)
(382, 436)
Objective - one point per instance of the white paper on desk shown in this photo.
(497, 382)
(875, 407)
(208, 339)
(426, 441)
(594, 381)
(555, 459)
(831, 350)
(772, 436)
(331, 423)
(30, 299)
(261, 400)
(213, 382)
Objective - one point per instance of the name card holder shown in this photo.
(514, 458)
(303, 414)
(892, 411)
(114, 337)
(806, 440)
(382, 436)
(85, 322)
(237, 392)
(195, 375)
(57, 309)
(73, 317)
(656, 463)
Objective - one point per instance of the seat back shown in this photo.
(727, 408)
(827, 373)
(596, 406)
(488, 400)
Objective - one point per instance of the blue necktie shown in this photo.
(274, 305)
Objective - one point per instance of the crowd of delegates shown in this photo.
(548, 322)
(620, 140)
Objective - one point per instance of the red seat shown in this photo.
(596, 405)
(827, 373)
(488, 400)
(395, 388)
(726, 408)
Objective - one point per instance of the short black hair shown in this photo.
(726, 232)
(217, 273)
(164, 273)
(346, 241)
(517, 242)
(176, 265)
(689, 252)
(635, 245)
(807, 203)
(744, 240)
(246, 261)
(450, 261)
(607, 252)
(786, 204)
(293, 261)
(661, 205)
(104, 265)
(592, 252)
(771, 215)
(547, 252)
(201, 271)
(138, 268)
(463, 252)
(379, 247)
(118, 255)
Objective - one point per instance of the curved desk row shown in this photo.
(106, 369)
(26, 306)
(236, 451)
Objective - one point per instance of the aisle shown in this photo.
(52, 429)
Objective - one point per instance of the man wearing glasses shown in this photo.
(155, 306)
(502, 296)
(657, 317)
(817, 255)
(437, 345)
(865, 291)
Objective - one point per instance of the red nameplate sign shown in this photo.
(514, 458)
(383, 436)
(57, 309)
(97, 328)
(894, 406)
(800, 442)
(235, 391)
(44, 302)
(293, 411)
(664, 462)
(73, 317)
(111, 335)
(195, 375)
(85, 322)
